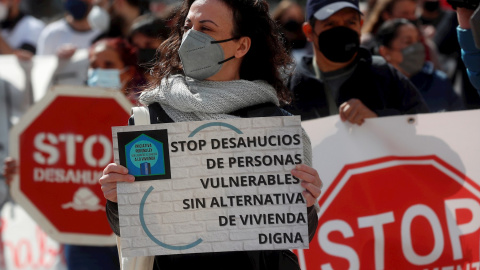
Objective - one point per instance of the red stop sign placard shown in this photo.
(62, 145)
(398, 213)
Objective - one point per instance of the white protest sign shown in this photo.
(211, 186)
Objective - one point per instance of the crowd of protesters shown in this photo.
(355, 59)
(60, 27)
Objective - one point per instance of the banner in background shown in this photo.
(25, 246)
(399, 192)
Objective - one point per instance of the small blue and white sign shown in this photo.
(145, 154)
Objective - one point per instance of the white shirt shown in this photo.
(60, 33)
(26, 31)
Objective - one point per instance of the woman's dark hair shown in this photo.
(265, 60)
(388, 31)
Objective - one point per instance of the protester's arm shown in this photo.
(4, 47)
(355, 112)
(470, 53)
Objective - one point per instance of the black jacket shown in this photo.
(241, 260)
(377, 84)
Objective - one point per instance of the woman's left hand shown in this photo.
(310, 181)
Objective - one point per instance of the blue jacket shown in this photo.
(436, 89)
(470, 56)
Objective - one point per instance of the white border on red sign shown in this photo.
(25, 121)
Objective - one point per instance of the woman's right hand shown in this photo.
(112, 174)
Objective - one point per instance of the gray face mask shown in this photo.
(201, 55)
(413, 58)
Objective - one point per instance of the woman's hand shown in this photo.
(112, 174)
(310, 181)
(10, 168)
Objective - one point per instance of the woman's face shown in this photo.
(104, 57)
(215, 18)
(407, 35)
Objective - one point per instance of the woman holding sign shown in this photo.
(222, 61)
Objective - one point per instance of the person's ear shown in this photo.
(244, 44)
(308, 31)
(383, 51)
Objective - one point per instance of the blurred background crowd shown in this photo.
(126, 34)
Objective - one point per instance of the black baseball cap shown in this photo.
(322, 9)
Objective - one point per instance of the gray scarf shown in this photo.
(186, 99)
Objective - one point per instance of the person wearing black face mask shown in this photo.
(146, 35)
(343, 78)
(290, 16)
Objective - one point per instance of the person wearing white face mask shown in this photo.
(399, 43)
(113, 64)
(18, 30)
(98, 17)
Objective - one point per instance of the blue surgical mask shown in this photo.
(201, 55)
(107, 78)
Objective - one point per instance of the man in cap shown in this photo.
(343, 78)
